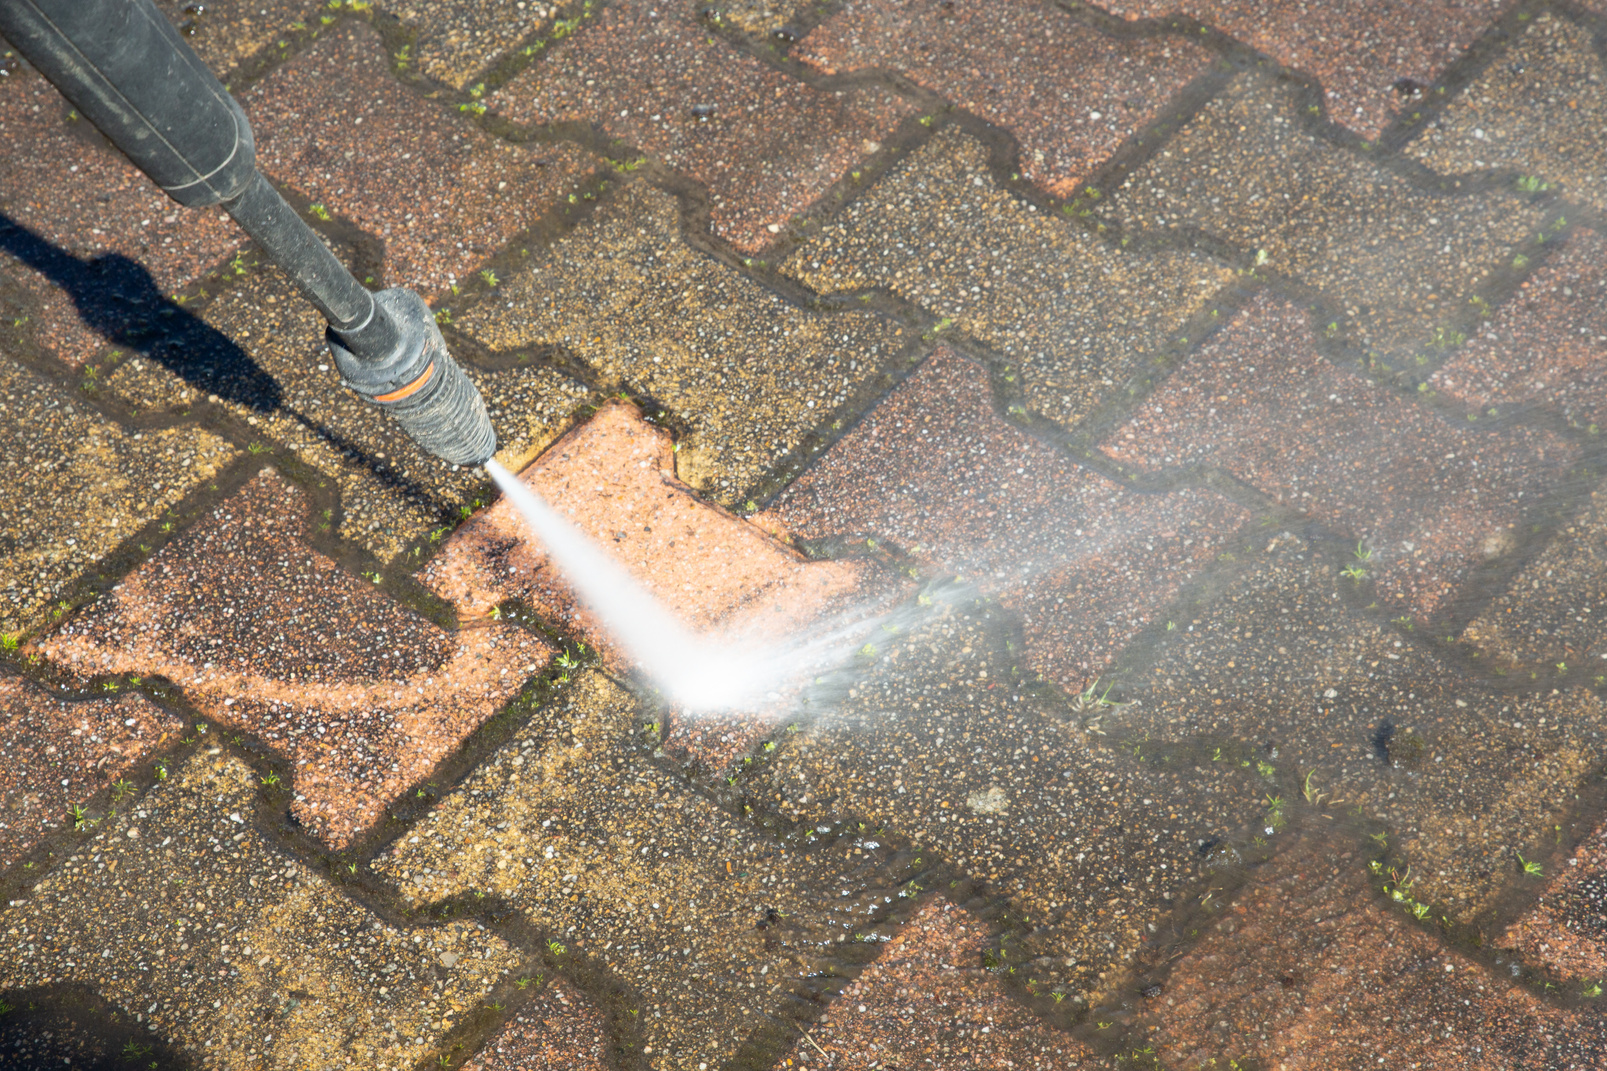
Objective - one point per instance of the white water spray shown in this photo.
(698, 673)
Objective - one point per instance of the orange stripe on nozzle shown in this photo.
(409, 390)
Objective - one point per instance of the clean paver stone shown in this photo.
(558, 1031)
(1567, 928)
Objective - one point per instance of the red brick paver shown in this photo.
(1373, 59)
(1547, 347)
(1260, 403)
(102, 242)
(927, 1001)
(765, 144)
(1069, 93)
(55, 753)
(1567, 929)
(560, 1030)
(339, 129)
(935, 469)
(264, 633)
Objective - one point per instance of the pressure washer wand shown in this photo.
(127, 70)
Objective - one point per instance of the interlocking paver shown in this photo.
(1540, 108)
(266, 634)
(259, 354)
(1069, 93)
(1373, 61)
(179, 912)
(1431, 499)
(1073, 316)
(614, 477)
(1547, 346)
(1280, 671)
(337, 127)
(1567, 928)
(1399, 261)
(934, 736)
(1548, 613)
(765, 144)
(577, 829)
(94, 241)
(458, 39)
(55, 753)
(78, 486)
(935, 470)
(224, 33)
(752, 374)
(558, 1031)
(927, 1001)
(775, 18)
(1309, 969)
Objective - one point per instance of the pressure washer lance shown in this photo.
(127, 70)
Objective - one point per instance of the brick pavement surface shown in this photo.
(1181, 418)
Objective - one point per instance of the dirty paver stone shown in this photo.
(753, 375)
(103, 244)
(934, 470)
(210, 935)
(776, 19)
(78, 486)
(1073, 317)
(765, 144)
(1545, 348)
(1398, 260)
(561, 1030)
(458, 39)
(1539, 108)
(1373, 60)
(55, 753)
(264, 633)
(1308, 968)
(226, 33)
(614, 478)
(1069, 93)
(1567, 928)
(574, 825)
(260, 355)
(339, 129)
(927, 998)
(1280, 675)
(1429, 499)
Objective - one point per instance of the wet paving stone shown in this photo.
(561, 1030)
(208, 935)
(265, 634)
(936, 736)
(927, 1001)
(1374, 62)
(93, 242)
(1395, 261)
(1072, 316)
(340, 130)
(777, 20)
(78, 487)
(1428, 499)
(1546, 348)
(1069, 93)
(459, 39)
(614, 477)
(1280, 675)
(1309, 968)
(226, 33)
(715, 925)
(1547, 618)
(1567, 928)
(1539, 108)
(257, 351)
(935, 471)
(55, 753)
(765, 144)
(752, 375)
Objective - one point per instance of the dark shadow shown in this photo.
(69, 1026)
(118, 298)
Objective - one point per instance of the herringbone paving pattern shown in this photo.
(1207, 395)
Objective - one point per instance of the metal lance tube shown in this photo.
(127, 70)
